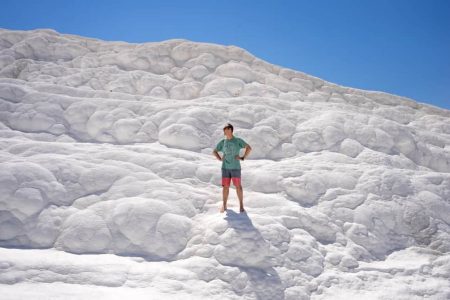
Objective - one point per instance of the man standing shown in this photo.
(231, 166)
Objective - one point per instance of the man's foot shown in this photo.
(241, 210)
(223, 209)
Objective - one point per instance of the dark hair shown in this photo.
(229, 126)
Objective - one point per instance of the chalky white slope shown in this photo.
(108, 188)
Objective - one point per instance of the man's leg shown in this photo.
(226, 181)
(225, 192)
(240, 195)
(236, 178)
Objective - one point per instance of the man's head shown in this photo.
(228, 131)
(228, 126)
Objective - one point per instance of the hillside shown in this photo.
(108, 186)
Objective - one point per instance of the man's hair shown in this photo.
(229, 126)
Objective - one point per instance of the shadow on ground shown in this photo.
(265, 282)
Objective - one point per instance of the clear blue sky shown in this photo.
(396, 46)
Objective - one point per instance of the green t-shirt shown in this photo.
(230, 148)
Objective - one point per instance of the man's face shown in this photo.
(227, 131)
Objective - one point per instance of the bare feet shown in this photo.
(241, 210)
(222, 209)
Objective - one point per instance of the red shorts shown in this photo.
(231, 175)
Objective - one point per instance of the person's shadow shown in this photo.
(265, 281)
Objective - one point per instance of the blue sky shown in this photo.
(396, 46)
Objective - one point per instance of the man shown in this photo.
(231, 166)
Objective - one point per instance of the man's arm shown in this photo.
(248, 149)
(216, 154)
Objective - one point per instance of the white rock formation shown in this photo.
(105, 152)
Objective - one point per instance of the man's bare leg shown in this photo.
(225, 192)
(240, 195)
